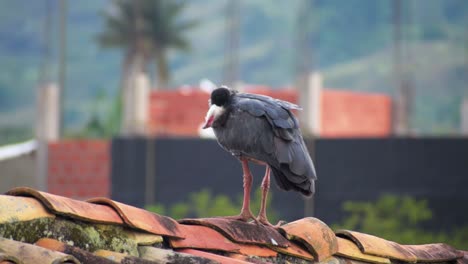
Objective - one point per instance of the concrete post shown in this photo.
(310, 98)
(135, 112)
(464, 117)
(310, 95)
(47, 129)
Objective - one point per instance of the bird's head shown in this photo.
(219, 100)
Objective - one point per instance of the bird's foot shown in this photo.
(244, 216)
(264, 221)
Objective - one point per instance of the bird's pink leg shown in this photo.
(245, 213)
(262, 216)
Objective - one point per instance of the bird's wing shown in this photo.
(277, 112)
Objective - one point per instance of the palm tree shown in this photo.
(145, 29)
(124, 30)
(165, 31)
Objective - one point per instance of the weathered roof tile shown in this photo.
(146, 238)
(201, 237)
(21, 209)
(71, 208)
(295, 251)
(315, 235)
(348, 249)
(170, 256)
(377, 246)
(7, 259)
(434, 252)
(142, 219)
(80, 254)
(27, 253)
(241, 232)
(213, 257)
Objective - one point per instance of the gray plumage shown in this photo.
(264, 129)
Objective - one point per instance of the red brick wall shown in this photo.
(343, 113)
(177, 113)
(79, 168)
(353, 114)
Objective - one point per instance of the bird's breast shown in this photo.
(243, 134)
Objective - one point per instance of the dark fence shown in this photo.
(435, 169)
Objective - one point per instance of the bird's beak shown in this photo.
(208, 122)
(213, 112)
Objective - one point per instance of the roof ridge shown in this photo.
(307, 239)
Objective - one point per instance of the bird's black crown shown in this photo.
(220, 96)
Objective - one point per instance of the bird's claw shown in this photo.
(264, 221)
(244, 216)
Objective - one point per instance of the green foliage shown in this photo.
(103, 122)
(205, 204)
(398, 219)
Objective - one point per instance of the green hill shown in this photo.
(438, 74)
(349, 41)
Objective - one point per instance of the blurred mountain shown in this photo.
(351, 44)
(438, 77)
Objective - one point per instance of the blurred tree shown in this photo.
(145, 29)
(398, 219)
(165, 31)
(205, 204)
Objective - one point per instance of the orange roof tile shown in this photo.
(69, 207)
(214, 257)
(315, 235)
(210, 240)
(347, 248)
(242, 232)
(142, 219)
(377, 246)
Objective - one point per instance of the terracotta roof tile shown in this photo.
(80, 254)
(242, 232)
(430, 252)
(112, 255)
(143, 237)
(6, 259)
(464, 259)
(258, 251)
(348, 249)
(142, 219)
(295, 251)
(215, 258)
(27, 253)
(21, 209)
(315, 235)
(72, 208)
(373, 245)
(169, 256)
(210, 240)
(378, 246)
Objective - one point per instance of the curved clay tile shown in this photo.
(348, 249)
(242, 232)
(21, 209)
(142, 219)
(27, 253)
(71, 208)
(315, 235)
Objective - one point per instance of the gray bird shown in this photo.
(263, 130)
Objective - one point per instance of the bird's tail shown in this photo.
(306, 187)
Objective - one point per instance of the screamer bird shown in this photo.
(262, 130)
